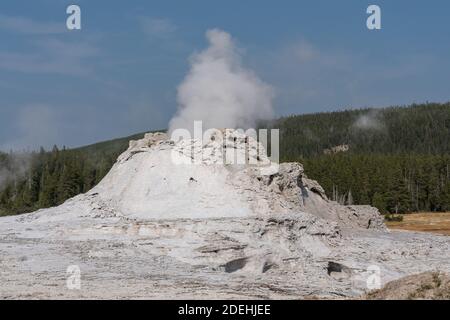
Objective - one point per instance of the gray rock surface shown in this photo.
(153, 229)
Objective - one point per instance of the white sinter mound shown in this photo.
(158, 228)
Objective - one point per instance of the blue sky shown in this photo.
(119, 74)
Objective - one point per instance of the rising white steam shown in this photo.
(15, 167)
(369, 120)
(219, 91)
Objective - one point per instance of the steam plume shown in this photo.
(219, 91)
(13, 166)
(369, 120)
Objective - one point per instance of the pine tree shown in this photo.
(70, 183)
(379, 202)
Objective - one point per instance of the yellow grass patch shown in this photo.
(425, 221)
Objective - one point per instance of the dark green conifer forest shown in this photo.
(398, 160)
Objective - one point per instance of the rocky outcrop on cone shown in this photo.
(290, 190)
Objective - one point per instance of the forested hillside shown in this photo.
(397, 160)
(393, 183)
(419, 129)
(52, 177)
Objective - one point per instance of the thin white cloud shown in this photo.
(305, 54)
(312, 77)
(51, 56)
(157, 27)
(36, 125)
(303, 51)
(25, 25)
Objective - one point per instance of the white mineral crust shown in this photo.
(155, 228)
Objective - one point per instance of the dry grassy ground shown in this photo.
(427, 222)
(427, 285)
